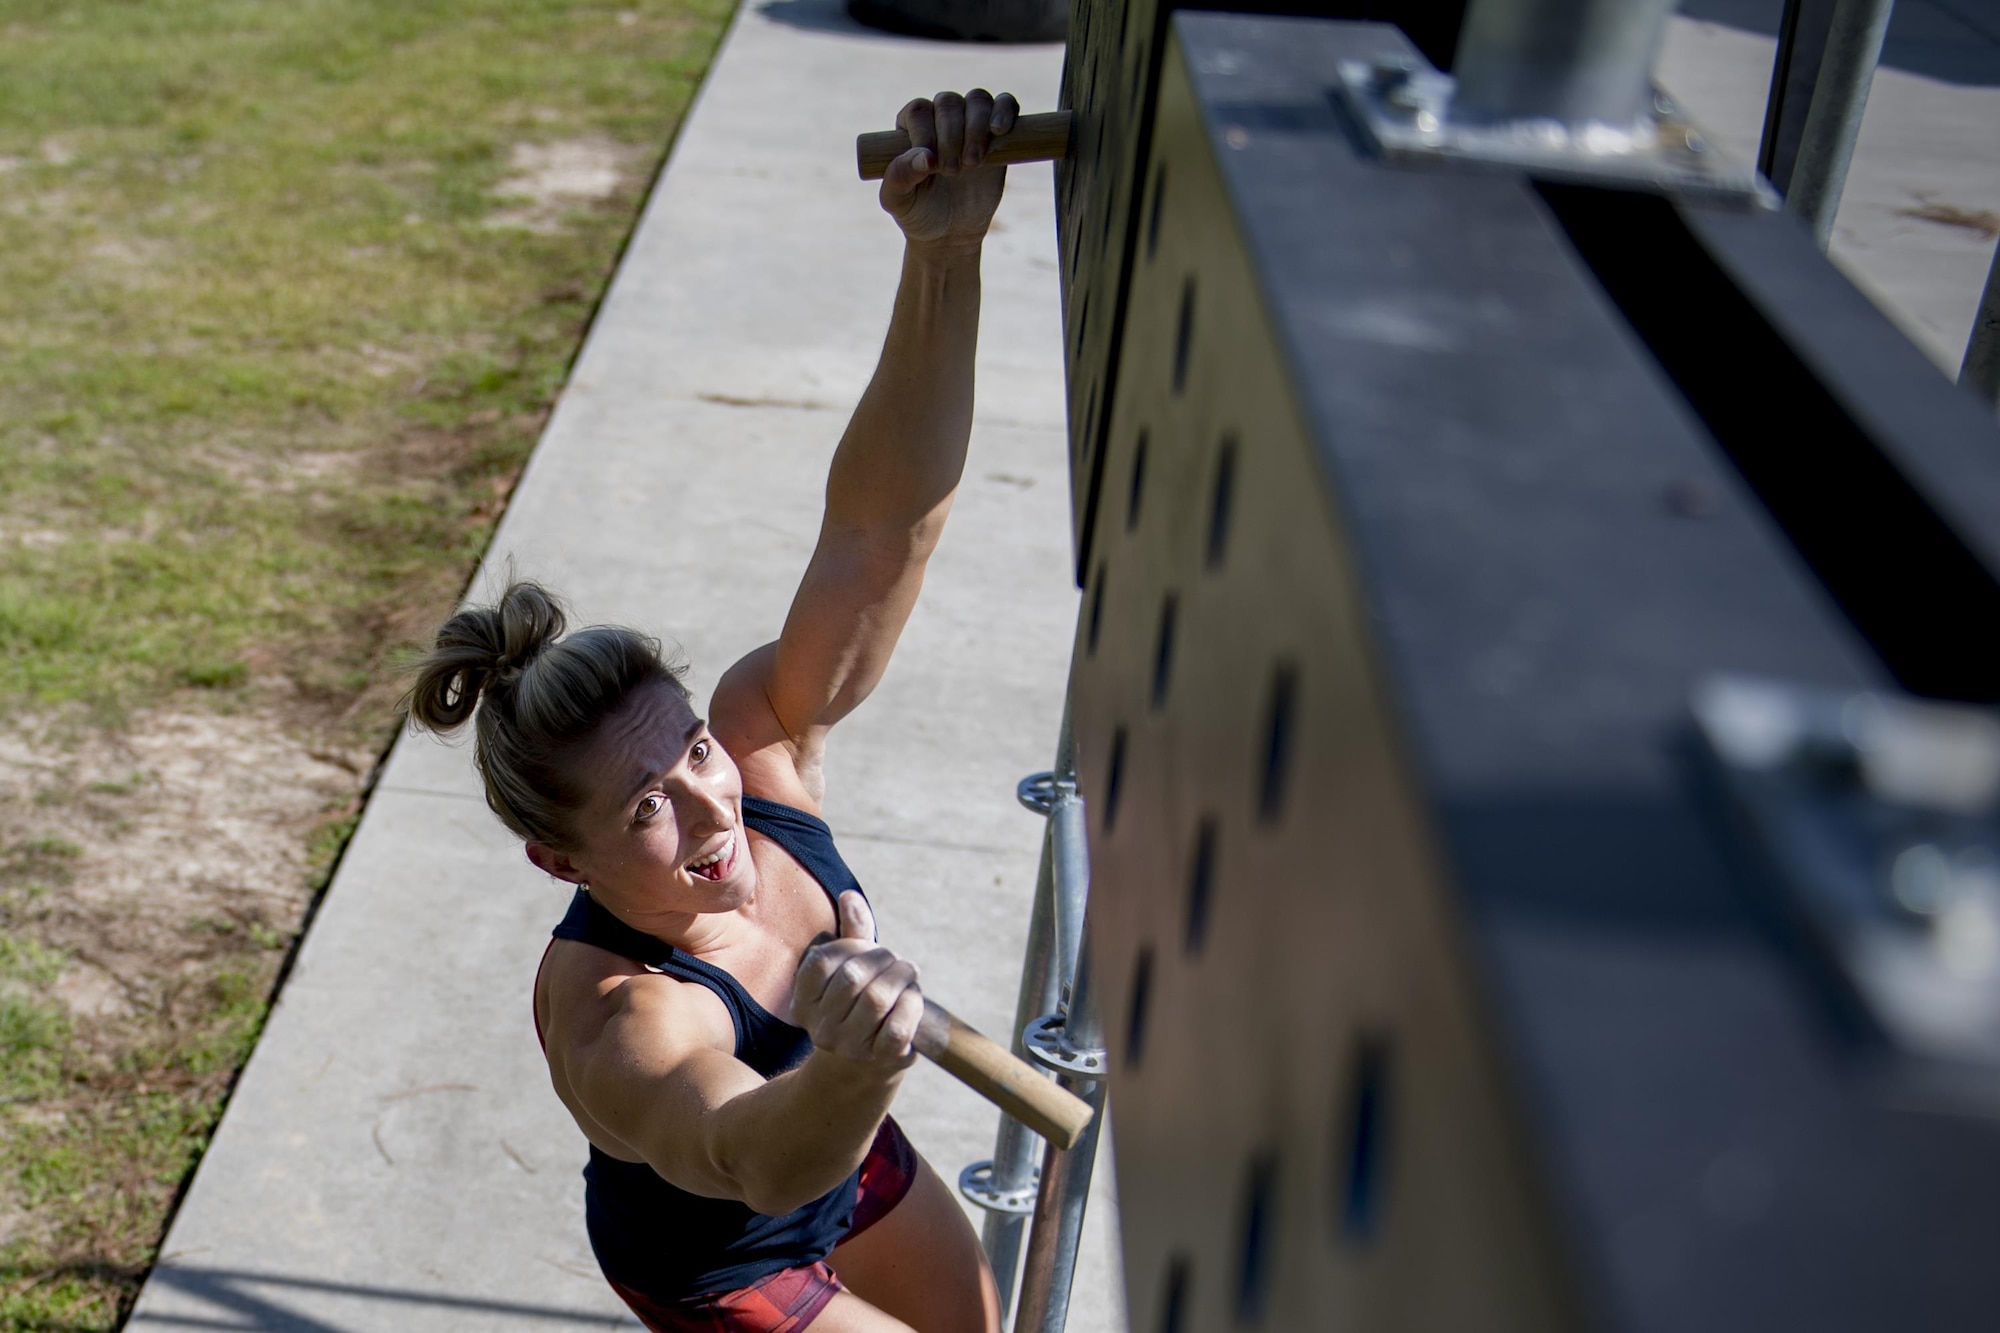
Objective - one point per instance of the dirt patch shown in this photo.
(152, 879)
(131, 261)
(141, 854)
(1981, 222)
(31, 538)
(547, 180)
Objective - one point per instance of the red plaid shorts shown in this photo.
(792, 1298)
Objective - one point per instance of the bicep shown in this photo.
(843, 626)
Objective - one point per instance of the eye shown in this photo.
(700, 751)
(649, 805)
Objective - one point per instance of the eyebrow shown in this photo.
(646, 780)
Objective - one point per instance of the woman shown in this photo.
(714, 1010)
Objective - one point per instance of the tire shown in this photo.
(967, 20)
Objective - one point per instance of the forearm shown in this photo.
(802, 1133)
(899, 462)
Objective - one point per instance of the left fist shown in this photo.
(940, 191)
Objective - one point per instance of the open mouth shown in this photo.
(717, 863)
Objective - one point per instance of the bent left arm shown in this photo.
(896, 469)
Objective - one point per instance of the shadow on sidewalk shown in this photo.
(824, 16)
(239, 1295)
(832, 16)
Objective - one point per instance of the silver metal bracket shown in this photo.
(976, 1184)
(1048, 1044)
(1404, 109)
(1879, 817)
(1040, 791)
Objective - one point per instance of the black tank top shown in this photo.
(664, 1242)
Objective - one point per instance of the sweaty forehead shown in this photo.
(643, 739)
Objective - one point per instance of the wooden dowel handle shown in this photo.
(1042, 137)
(992, 1071)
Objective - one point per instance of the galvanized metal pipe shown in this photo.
(1833, 121)
(1070, 861)
(1050, 1270)
(1981, 370)
(1574, 61)
(1048, 961)
(1015, 1146)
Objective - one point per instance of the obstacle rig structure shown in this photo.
(1531, 699)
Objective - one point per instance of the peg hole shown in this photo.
(1278, 746)
(1114, 778)
(1153, 218)
(1364, 1139)
(1173, 1304)
(1184, 336)
(1136, 1012)
(1201, 883)
(1221, 501)
(1095, 620)
(1138, 487)
(1163, 651)
(1256, 1239)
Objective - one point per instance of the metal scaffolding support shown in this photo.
(1576, 62)
(1833, 121)
(1006, 1185)
(1072, 1043)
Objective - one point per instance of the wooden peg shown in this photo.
(1042, 137)
(992, 1071)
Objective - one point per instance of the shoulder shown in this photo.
(593, 1002)
(775, 764)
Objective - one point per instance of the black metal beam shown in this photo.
(1443, 992)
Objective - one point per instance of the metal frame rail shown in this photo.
(1826, 59)
(1056, 1025)
(1821, 135)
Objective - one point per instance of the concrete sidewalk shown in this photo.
(393, 1158)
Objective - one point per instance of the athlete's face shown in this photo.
(660, 829)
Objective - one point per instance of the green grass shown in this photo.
(241, 237)
(125, 1116)
(268, 371)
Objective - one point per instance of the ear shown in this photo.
(552, 862)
